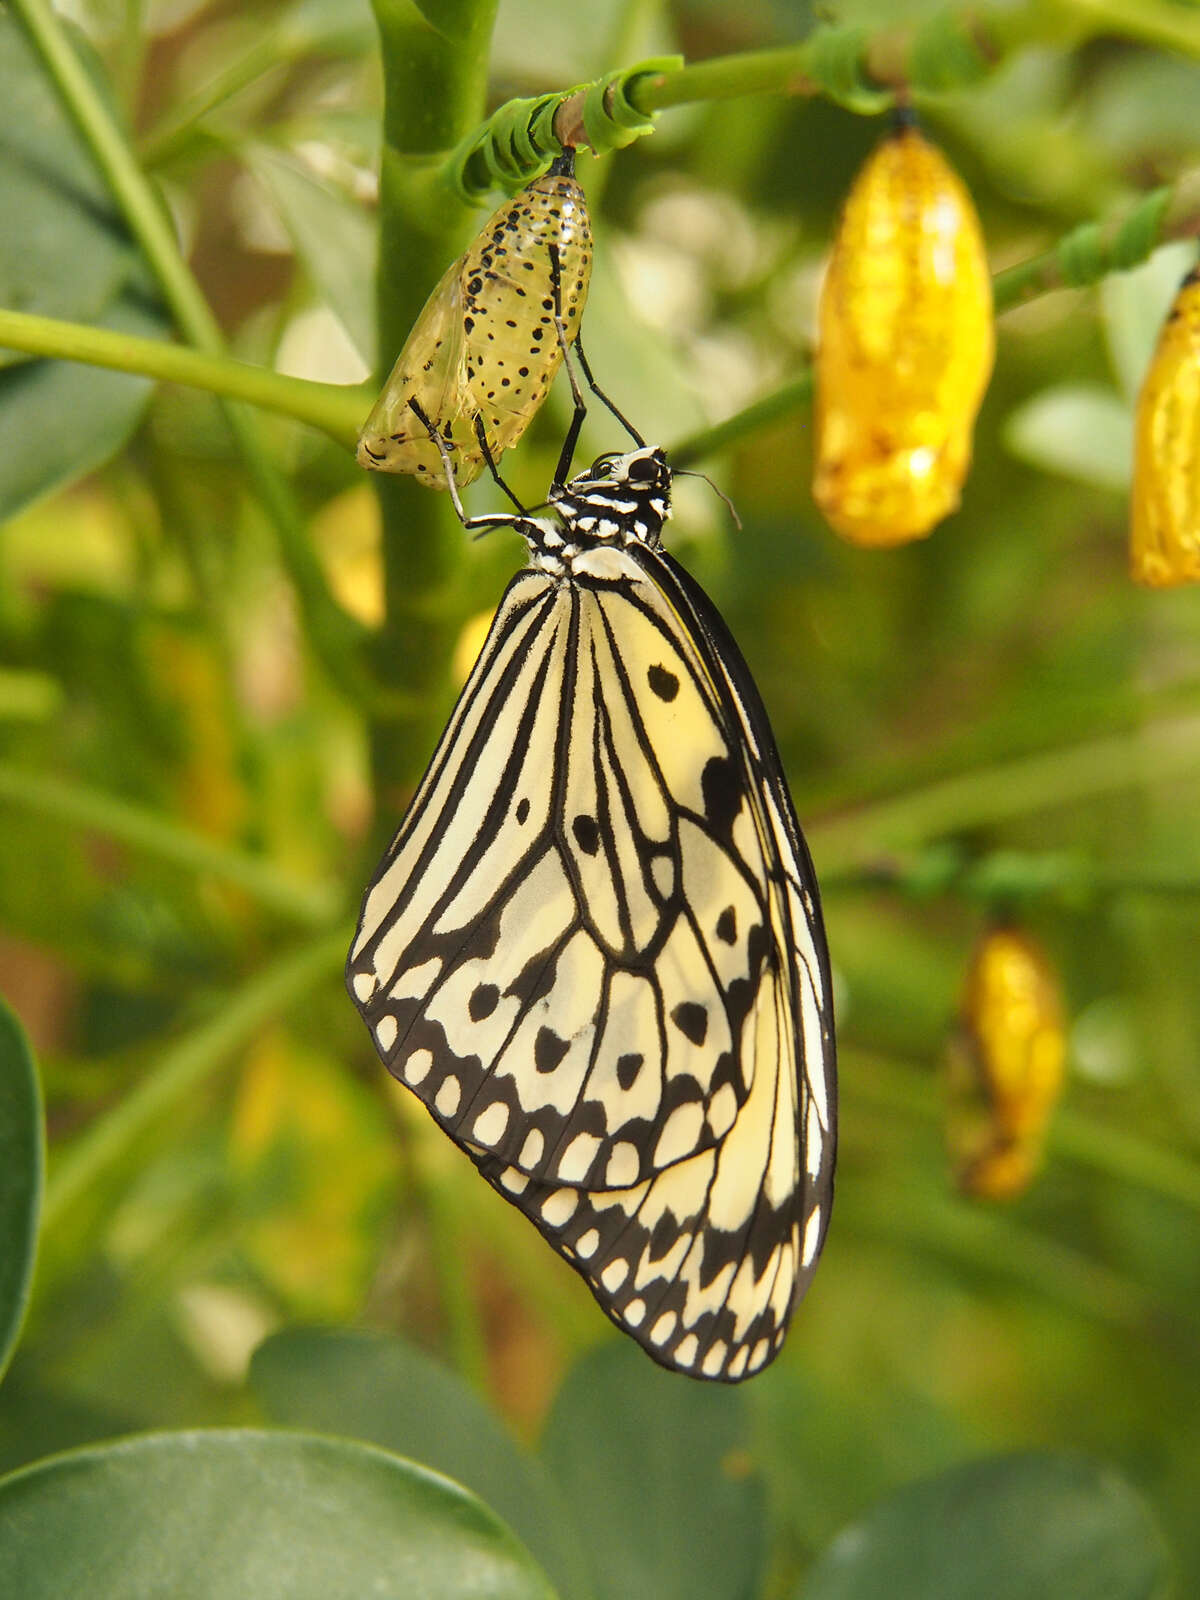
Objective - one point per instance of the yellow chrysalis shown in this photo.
(485, 348)
(1007, 1065)
(905, 346)
(1165, 533)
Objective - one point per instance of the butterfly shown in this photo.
(486, 346)
(594, 949)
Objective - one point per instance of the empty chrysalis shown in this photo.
(484, 351)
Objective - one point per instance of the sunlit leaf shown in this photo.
(232, 1514)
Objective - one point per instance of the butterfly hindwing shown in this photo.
(594, 951)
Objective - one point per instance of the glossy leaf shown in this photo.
(39, 452)
(367, 1386)
(64, 252)
(669, 1503)
(20, 1176)
(63, 249)
(1022, 1527)
(224, 1515)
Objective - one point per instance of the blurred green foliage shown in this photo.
(191, 803)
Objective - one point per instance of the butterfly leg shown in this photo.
(499, 519)
(567, 452)
(486, 449)
(569, 443)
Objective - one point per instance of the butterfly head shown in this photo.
(619, 500)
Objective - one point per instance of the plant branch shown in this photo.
(77, 805)
(337, 410)
(435, 80)
(993, 794)
(1007, 877)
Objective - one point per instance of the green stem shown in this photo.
(997, 1244)
(758, 414)
(435, 80)
(79, 806)
(949, 49)
(1155, 22)
(994, 794)
(338, 410)
(1005, 877)
(186, 1066)
(1091, 252)
(335, 636)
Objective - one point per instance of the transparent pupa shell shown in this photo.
(1007, 1065)
(485, 344)
(1165, 529)
(905, 346)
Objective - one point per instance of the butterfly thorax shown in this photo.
(618, 503)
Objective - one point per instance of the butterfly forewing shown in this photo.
(594, 951)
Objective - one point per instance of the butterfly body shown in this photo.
(612, 987)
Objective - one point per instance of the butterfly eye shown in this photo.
(644, 469)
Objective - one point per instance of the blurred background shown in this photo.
(188, 808)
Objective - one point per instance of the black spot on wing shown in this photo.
(628, 1067)
(664, 684)
(727, 926)
(587, 834)
(548, 1050)
(484, 999)
(522, 810)
(721, 786)
(692, 1020)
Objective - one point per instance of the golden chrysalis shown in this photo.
(905, 346)
(1007, 1065)
(1165, 531)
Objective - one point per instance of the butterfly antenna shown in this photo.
(689, 472)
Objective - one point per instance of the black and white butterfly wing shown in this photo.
(594, 951)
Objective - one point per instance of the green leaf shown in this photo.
(224, 1515)
(63, 419)
(1022, 1527)
(1080, 431)
(20, 1177)
(334, 239)
(367, 1386)
(64, 252)
(669, 1503)
(63, 249)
